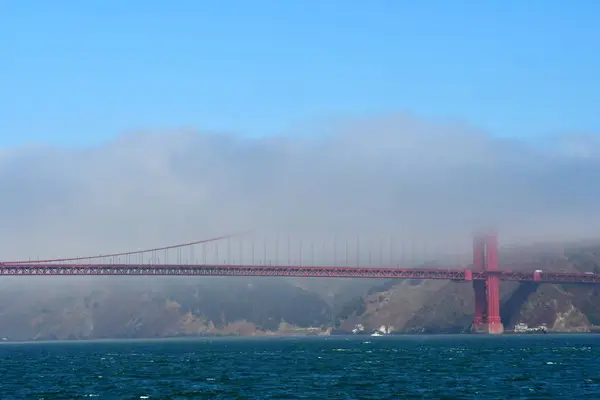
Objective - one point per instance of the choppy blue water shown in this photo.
(430, 367)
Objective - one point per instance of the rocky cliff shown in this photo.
(447, 307)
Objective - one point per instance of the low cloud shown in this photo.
(397, 177)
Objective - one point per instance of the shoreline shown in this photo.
(287, 336)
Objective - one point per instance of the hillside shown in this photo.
(79, 308)
(447, 307)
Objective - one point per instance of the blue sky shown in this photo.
(76, 72)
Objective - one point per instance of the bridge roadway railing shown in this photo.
(21, 269)
(232, 270)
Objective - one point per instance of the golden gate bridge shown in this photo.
(483, 273)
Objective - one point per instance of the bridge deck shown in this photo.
(22, 269)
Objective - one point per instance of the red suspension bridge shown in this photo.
(485, 275)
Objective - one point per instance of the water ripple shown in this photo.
(423, 367)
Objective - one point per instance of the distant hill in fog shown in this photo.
(150, 307)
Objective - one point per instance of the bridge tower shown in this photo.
(487, 293)
(493, 284)
(479, 286)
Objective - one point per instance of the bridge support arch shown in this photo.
(487, 292)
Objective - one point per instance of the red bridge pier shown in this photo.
(487, 293)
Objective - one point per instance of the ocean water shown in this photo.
(406, 367)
